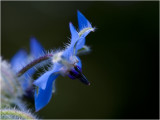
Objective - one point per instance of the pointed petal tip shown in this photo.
(33, 38)
(82, 21)
(19, 58)
(79, 13)
(71, 26)
(22, 50)
(36, 109)
(35, 47)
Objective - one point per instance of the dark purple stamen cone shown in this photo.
(76, 73)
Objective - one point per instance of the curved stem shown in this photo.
(33, 63)
(16, 113)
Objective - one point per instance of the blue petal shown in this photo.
(82, 21)
(74, 37)
(79, 63)
(19, 60)
(80, 44)
(67, 53)
(36, 47)
(31, 71)
(74, 34)
(43, 97)
(81, 41)
(42, 81)
(26, 82)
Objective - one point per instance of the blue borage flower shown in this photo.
(65, 63)
(21, 59)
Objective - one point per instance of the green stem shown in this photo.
(16, 113)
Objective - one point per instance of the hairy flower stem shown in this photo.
(33, 63)
(17, 114)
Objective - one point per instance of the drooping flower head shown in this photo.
(65, 63)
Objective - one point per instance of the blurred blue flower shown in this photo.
(65, 63)
(20, 59)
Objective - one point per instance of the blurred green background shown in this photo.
(122, 67)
